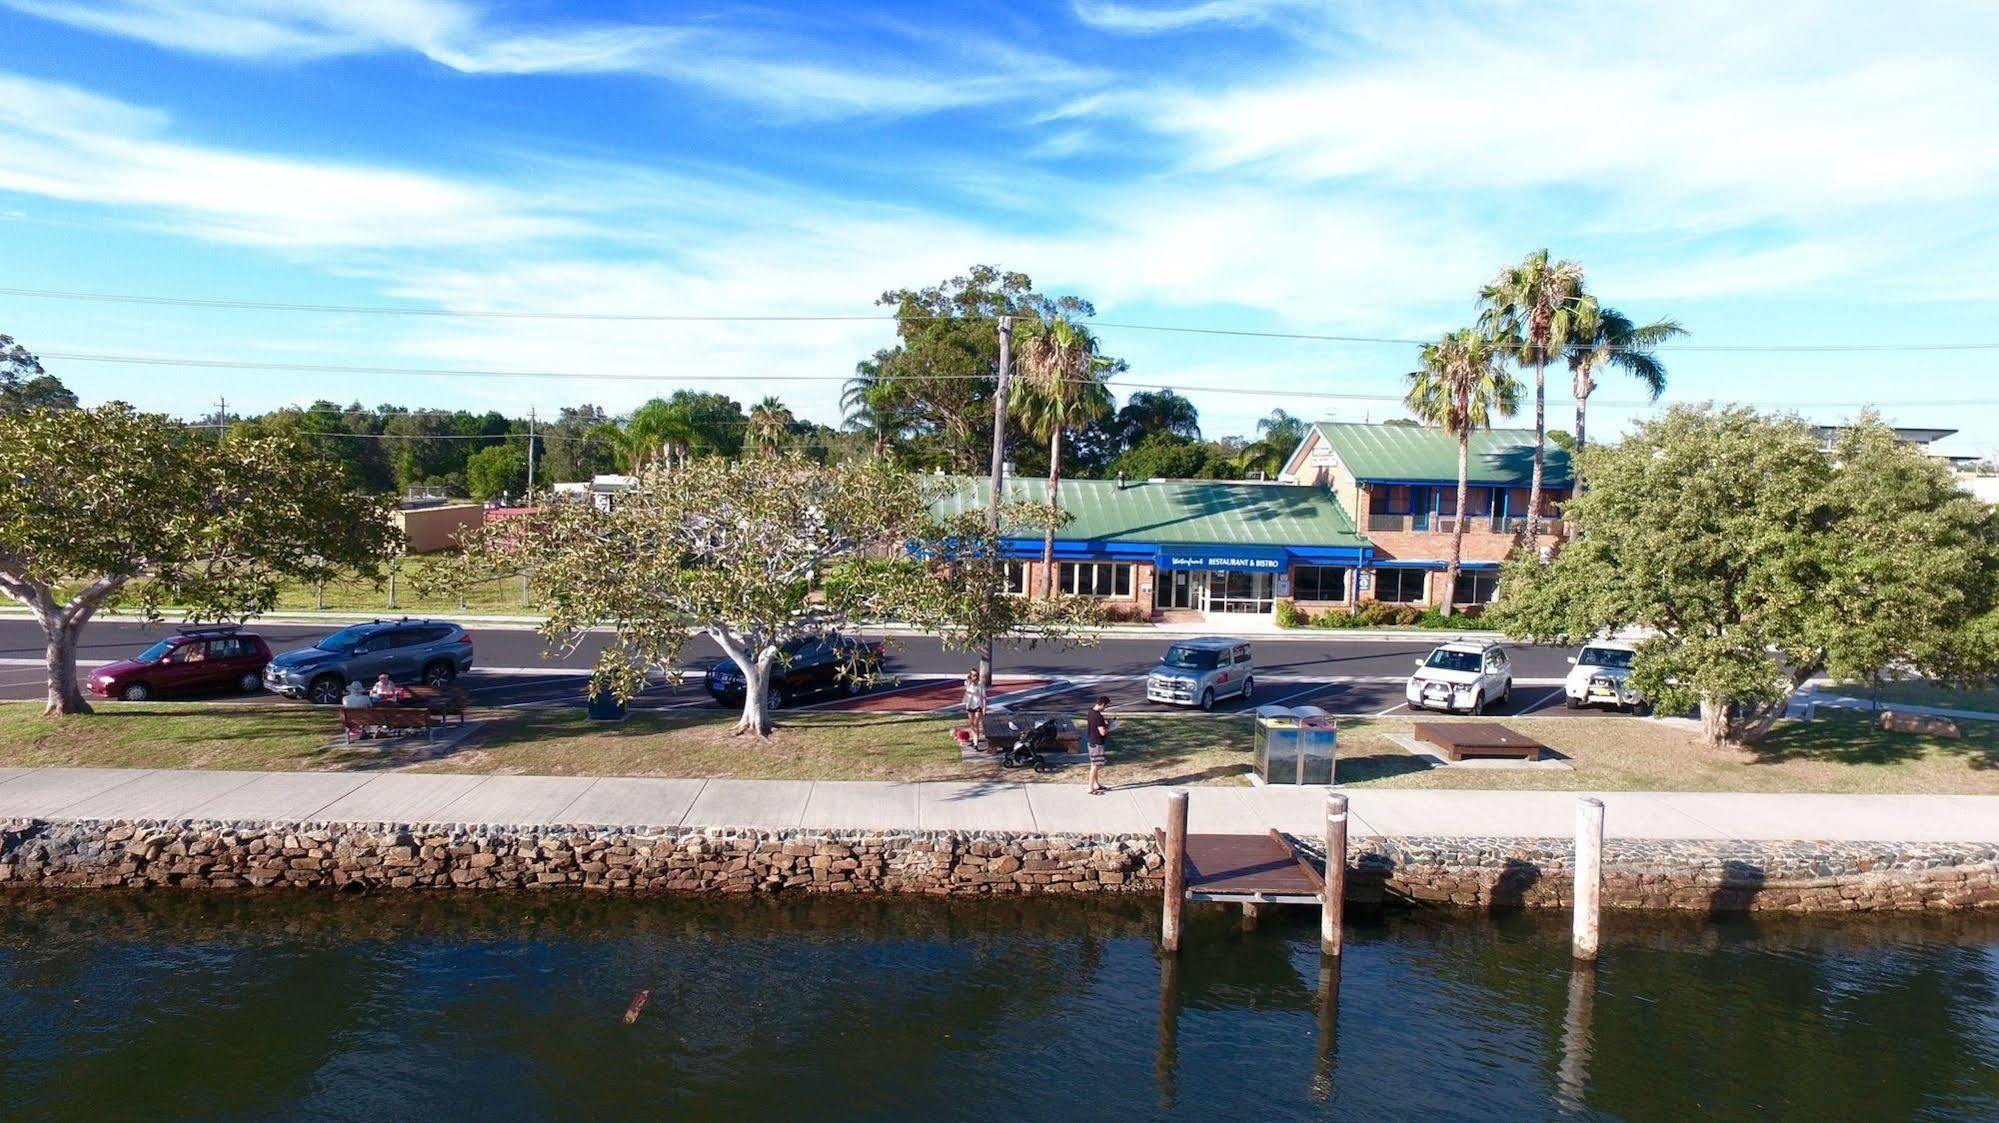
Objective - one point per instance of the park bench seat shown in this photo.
(389, 720)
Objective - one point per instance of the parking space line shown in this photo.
(1543, 704)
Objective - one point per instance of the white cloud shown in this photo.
(65, 143)
(772, 66)
(1151, 19)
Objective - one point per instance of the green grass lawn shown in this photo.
(1833, 754)
(497, 597)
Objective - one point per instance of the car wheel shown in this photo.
(135, 692)
(1572, 702)
(1208, 699)
(250, 683)
(439, 674)
(1508, 696)
(325, 690)
(1248, 688)
(1478, 703)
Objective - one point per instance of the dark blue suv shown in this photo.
(433, 652)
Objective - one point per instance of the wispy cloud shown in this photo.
(769, 64)
(1159, 19)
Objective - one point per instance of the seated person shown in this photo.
(386, 691)
(357, 696)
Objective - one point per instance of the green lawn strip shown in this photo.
(1916, 692)
(498, 596)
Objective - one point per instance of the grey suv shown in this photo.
(1197, 672)
(433, 652)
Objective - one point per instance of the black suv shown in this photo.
(433, 652)
(806, 665)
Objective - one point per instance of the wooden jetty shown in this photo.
(1252, 870)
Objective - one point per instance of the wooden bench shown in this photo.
(391, 721)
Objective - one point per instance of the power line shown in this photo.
(585, 376)
(638, 317)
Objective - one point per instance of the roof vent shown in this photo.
(1120, 480)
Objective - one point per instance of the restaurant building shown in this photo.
(1361, 513)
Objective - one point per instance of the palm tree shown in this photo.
(1281, 435)
(1460, 388)
(1606, 338)
(769, 421)
(866, 408)
(656, 430)
(1060, 387)
(1532, 310)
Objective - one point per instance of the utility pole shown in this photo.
(530, 495)
(998, 472)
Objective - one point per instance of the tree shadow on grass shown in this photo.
(1376, 766)
(1853, 739)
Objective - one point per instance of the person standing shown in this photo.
(1096, 733)
(975, 709)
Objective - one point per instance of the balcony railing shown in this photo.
(1447, 524)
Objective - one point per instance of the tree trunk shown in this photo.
(1458, 529)
(1540, 450)
(1054, 501)
(65, 692)
(1717, 723)
(1575, 459)
(756, 681)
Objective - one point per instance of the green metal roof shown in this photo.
(1406, 452)
(1176, 511)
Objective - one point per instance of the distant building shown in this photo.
(603, 491)
(1924, 438)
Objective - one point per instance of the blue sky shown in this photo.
(1811, 173)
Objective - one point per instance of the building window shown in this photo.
(1094, 579)
(1398, 586)
(1476, 588)
(1016, 578)
(1319, 582)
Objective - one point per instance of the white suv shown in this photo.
(1466, 675)
(1602, 677)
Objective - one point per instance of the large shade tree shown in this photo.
(1533, 309)
(1757, 561)
(25, 385)
(1061, 387)
(1460, 388)
(1605, 339)
(111, 503)
(751, 553)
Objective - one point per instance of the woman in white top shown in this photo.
(975, 708)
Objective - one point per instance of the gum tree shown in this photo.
(1760, 561)
(111, 504)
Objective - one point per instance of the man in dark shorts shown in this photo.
(1096, 731)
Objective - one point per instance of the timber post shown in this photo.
(1588, 877)
(1174, 918)
(1332, 909)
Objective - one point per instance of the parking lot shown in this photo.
(1343, 675)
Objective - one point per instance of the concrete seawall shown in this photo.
(1683, 875)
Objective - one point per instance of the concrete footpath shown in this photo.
(73, 794)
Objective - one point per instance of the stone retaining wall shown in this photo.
(1477, 873)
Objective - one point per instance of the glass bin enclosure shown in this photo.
(1294, 746)
(1318, 735)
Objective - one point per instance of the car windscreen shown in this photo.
(1446, 660)
(154, 653)
(344, 641)
(1615, 657)
(1192, 658)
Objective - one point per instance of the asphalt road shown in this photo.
(1342, 674)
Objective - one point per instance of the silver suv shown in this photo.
(433, 652)
(1199, 672)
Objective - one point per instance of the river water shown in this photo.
(256, 1007)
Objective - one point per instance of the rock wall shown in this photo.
(1475, 873)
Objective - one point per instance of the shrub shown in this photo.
(1337, 618)
(1124, 612)
(1289, 615)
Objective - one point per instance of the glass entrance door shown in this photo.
(1174, 588)
(1232, 591)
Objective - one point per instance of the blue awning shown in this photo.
(1253, 559)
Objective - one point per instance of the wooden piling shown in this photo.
(1589, 876)
(1174, 917)
(1332, 908)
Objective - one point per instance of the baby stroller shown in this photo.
(1031, 748)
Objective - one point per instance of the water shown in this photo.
(257, 1007)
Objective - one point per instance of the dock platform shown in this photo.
(1460, 739)
(1251, 869)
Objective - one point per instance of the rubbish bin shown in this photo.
(1276, 745)
(604, 706)
(1318, 737)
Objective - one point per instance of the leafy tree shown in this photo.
(1172, 457)
(1459, 389)
(1279, 435)
(769, 423)
(499, 470)
(1759, 562)
(24, 385)
(752, 553)
(1061, 385)
(104, 501)
(582, 443)
(938, 379)
(690, 423)
(1534, 309)
(868, 407)
(1150, 412)
(1606, 339)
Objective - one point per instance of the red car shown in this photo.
(193, 661)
